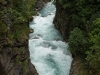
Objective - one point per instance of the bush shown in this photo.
(93, 55)
(76, 41)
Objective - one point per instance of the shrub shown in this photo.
(76, 41)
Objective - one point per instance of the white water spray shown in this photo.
(48, 52)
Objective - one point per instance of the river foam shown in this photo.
(48, 51)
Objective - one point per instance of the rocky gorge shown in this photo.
(14, 32)
(77, 21)
(64, 23)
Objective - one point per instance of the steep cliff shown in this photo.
(14, 30)
(79, 22)
(14, 53)
(62, 20)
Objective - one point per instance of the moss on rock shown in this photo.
(14, 30)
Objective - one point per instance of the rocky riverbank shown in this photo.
(62, 23)
(62, 20)
(14, 30)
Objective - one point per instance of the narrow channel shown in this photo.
(48, 51)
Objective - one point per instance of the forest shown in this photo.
(84, 39)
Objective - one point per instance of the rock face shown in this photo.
(40, 4)
(31, 30)
(77, 67)
(14, 60)
(62, 20)
(14, 53)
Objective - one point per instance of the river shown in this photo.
(48, 51)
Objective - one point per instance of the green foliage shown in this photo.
(24, 65)
(3, 32)
(14, 30)
(20, 12)
(3, 29)
(23, 9)
(93, 56)
(77, 41)
(84, 17)
(17, 17)
(13, 19)
(20, 32)
(78, 44)
(80, 11)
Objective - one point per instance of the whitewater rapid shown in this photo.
(48, 51)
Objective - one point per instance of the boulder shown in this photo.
(31, 30)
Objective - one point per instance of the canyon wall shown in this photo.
(14, 32)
